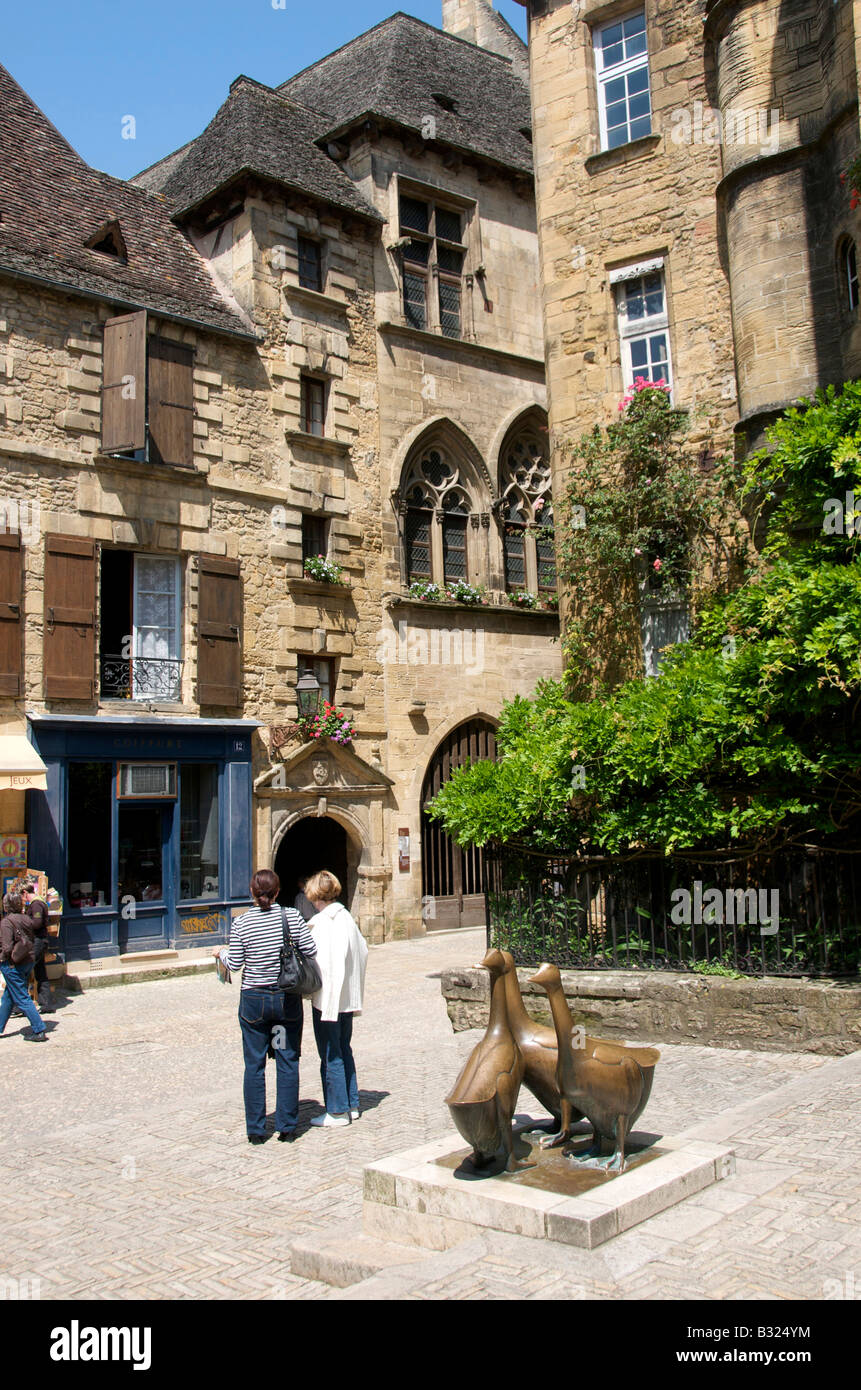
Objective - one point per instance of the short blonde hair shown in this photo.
(323, 887)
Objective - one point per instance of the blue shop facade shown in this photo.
(145, 829)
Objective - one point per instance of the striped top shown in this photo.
(255, 943)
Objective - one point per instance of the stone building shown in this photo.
(313, 330)
(692, 219)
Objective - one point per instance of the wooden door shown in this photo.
(453, 879)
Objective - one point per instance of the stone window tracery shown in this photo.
(526, 513)
(436, 487)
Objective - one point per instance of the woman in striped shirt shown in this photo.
(267, 1016)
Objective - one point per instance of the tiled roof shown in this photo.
(52, 203)
(395, 70)
(264, 133)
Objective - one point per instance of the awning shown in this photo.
(21, 768)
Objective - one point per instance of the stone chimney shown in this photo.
(479, 23)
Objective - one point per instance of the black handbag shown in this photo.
(299, 973)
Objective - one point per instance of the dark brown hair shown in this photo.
(265, 887)
(12, 903)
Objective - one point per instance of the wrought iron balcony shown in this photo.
(140, 677)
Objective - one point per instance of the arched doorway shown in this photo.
(313, 843)
(453, 878)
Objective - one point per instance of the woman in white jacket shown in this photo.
(342, 955)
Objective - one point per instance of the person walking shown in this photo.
(17, 953)
(37, 910)
(267, 1017)
(342, 955)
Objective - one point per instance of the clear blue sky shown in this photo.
(169, 63)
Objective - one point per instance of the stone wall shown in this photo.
(771, 1015)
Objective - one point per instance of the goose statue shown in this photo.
(484, 1096)
(609, 1083)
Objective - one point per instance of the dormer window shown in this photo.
(108, 241)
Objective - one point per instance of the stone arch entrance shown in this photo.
(453, 879)
(313, 843)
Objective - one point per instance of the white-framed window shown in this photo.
(622, 63)
(155, 621)
(644, 331)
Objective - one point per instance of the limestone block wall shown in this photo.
(792, 68)
(600, 211)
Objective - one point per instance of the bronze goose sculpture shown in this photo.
(484, 1096)
(610, 1084)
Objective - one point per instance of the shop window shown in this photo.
(198, 840)
(313, 405)
(140, 837)
(310, 264)
(622, 61)
(140, 638)
(89, 833)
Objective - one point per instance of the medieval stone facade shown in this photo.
(258, 290)
(692, 219)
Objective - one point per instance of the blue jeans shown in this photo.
(16, 978)
(261, 1011)
(337, 1068)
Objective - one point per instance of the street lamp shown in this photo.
(308, 692)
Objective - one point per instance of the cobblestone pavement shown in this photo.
(129, 1127)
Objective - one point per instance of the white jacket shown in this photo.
(342, 955)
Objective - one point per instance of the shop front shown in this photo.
(145, 829)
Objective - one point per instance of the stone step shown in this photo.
(349, 1257)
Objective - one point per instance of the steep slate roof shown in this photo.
(393, 70)
(52, 203)
(261, 132)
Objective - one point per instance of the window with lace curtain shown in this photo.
(526, 513)
(140, 633)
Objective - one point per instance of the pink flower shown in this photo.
(657, 565)
(637, 550)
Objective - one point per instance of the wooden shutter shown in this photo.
(11, 618)
(219, 632)
(70, 618)
(124, 383)
(171, 402)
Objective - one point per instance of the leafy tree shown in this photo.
(749, 735)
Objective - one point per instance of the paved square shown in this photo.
(129, 1127)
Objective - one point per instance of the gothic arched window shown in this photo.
(527, 513)
(435, 488)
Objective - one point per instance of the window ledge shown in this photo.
(401, 600)
(319, 586)
(622, 154)
(469, 345)
(316, 299)
(323, 443)
(150, 470)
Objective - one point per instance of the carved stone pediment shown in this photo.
(324, 769)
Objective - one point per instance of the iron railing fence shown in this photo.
(796, 912)
(140, 677)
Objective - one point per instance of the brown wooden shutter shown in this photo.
(171, 402)
(124, 383)
(70, 618)
(219, 632)
(11, 618)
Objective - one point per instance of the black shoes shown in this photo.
(257, 1138)
(286, 1136)
(36, 1037)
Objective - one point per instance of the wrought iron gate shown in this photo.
(453, 879)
